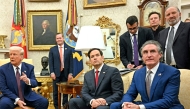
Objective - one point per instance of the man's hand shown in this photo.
(140, 66)
(24, 78)
(70, 77)
(129, 105)
(53, 76)
(130, 66)
(95, 104)
(21, 104)
(101, 101)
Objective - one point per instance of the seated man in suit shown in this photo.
(157, 83)
(102, 85)
(131, 41)
(16, 80)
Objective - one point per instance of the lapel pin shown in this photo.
(159, 74)
(104, 72)
(65, 48)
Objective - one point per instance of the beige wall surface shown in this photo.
(87, 17)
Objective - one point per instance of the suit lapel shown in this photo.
(65, 50)
(159, 74)
(11, 72)
(143, 82)
(101, 75)
(180, 28)
(128, 40)
(92, 79)
(139, 37)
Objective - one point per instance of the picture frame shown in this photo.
(102, 3)
(42, 26)
(43, 0)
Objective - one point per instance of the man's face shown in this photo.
(172, 16)
(150, 55)
(15, 57)
(154, 20)
(44, 25)
(59, 39)
(95, 58)
(132, 28)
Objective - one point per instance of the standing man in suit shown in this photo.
(175, 40)
(102, 85)
(154, 20)
(131, 41)
(60, 66)
(16, 80)
(157, 83)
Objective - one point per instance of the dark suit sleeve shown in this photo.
(3, 86)
(51, 60)
(123, 51)
(32, 77)
(117, 87)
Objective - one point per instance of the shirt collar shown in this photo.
(154, 69)
(176, 25)
(14, 67)
(61, 46)
(135, 33)
(99, 68)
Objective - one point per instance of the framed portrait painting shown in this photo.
(42, 28)
(102, 3)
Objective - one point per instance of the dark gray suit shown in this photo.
(181, 44)
(126, 52)
(110, 87)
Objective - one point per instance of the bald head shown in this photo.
(172, 15)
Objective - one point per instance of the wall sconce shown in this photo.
(90, 37)
(2, 41)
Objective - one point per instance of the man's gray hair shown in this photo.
(156, 43)
(17, 48)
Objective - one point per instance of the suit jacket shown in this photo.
(110, 85)
(126, 52)
(181, 44)
(8, 83)
(164, 89)
(55, 63)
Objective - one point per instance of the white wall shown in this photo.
(117, 14)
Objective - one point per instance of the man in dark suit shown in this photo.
(154, 20)
(177, 49)
(131, 41)
(60, 66)
(157, 83)
(16, 80)
(102, 85)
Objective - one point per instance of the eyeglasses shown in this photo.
(130, 29)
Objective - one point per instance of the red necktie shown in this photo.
(18, 84)
(61, 58)
(96, 78)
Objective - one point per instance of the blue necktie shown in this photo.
(135, 48)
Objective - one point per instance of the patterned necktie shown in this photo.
(96, 78)
(169, 46)
(135, 48)
(148, 82)
(19, 84)
(61, 58)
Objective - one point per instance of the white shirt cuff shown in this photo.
(91, 101)
(142, 106)
(29, 82)
(16, 100)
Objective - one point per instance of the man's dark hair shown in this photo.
(101, 53)
(154, 12)
(131, 20)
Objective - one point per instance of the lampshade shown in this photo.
(90, 37)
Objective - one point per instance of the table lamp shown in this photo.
(90, 37)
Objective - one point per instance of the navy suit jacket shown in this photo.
(126, 52)
(110, 85)
(181, 44)
(8, 83)
(164, 89)
(55, 63)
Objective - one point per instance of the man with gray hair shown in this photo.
(16, 80)
(175, 40)
(157, 83)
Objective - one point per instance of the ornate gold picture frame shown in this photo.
(102, 3)
(43, 0)
(42, 28)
